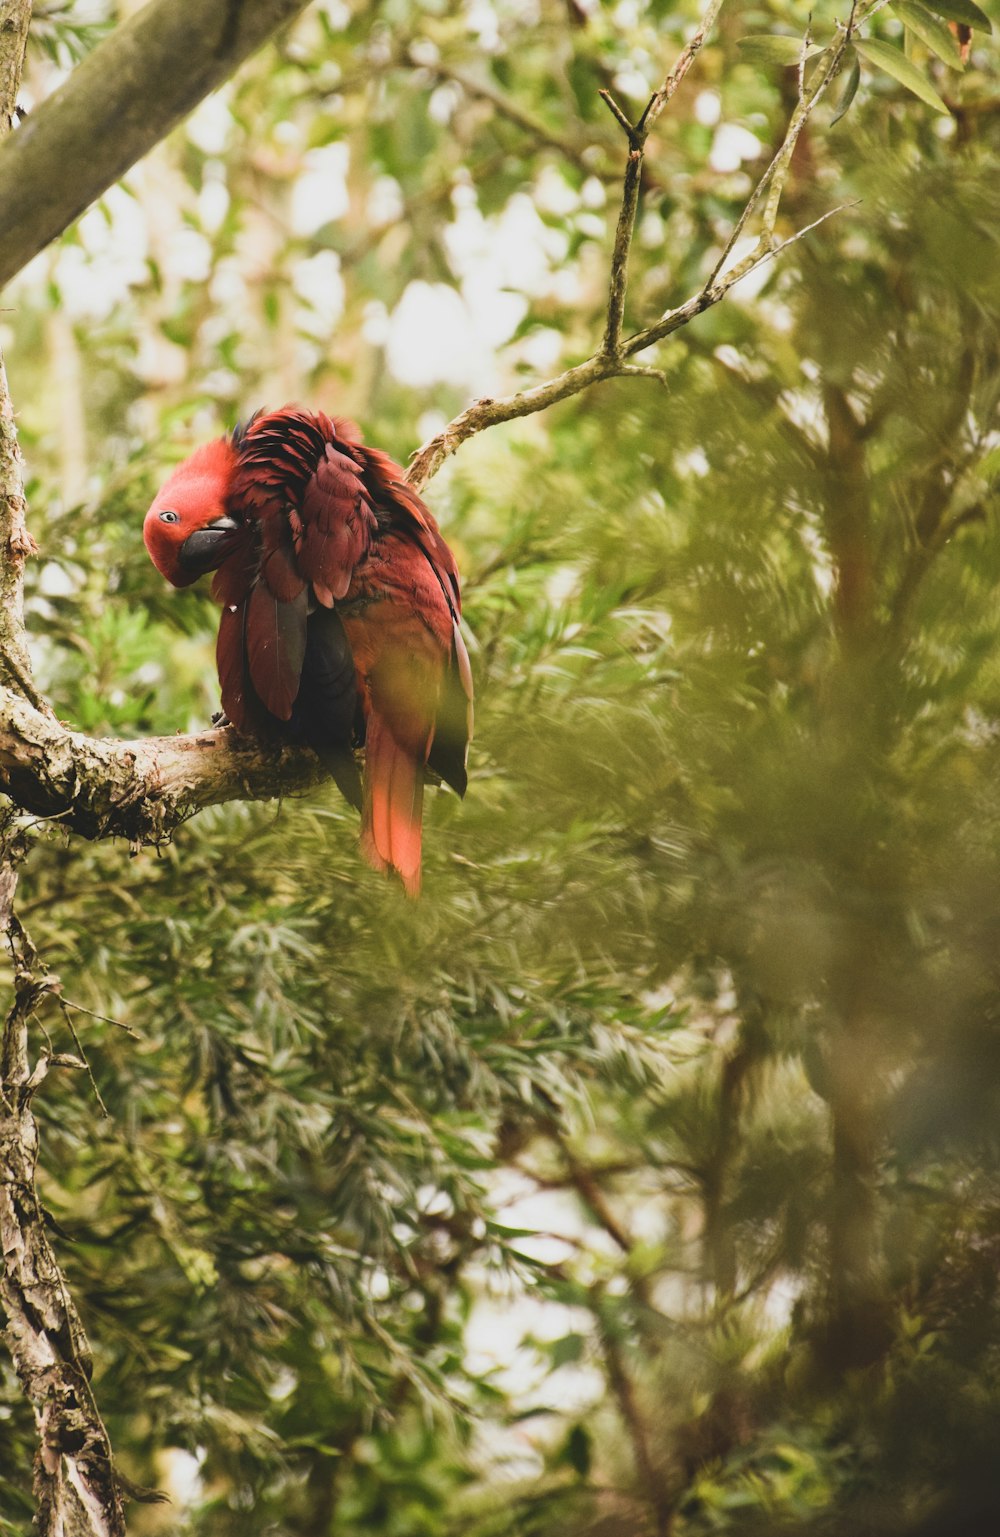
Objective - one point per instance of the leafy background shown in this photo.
(643, 1177)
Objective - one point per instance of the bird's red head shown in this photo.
(189, 529)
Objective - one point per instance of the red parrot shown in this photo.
(340, 609)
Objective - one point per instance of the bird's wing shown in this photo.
(301, 490)
(421, 551)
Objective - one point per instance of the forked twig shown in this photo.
(612, 358)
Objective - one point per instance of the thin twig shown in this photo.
(776, 173)
(686, 58)
(637, 135)
(105, 1019)
(757, 257)
(628, 128)
(84, 1059)
(611, 360)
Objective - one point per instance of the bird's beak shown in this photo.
(207, 547)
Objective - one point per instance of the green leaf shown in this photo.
(965, 11)
(577, 1450)
(988, 467)
(895, 64)
(568, 1350)
(930, 32)
(849, 92)
(775, 49)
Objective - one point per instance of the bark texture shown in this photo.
(119, 102)
(16, 544)
(105, 788)
(75, 1487)
(14, 18)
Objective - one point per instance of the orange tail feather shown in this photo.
(393, 806)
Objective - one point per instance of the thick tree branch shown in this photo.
(104, 788)
(116, 105)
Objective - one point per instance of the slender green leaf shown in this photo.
(965, 11)
(578, 1450)
(899, 67)
(849, 92)
(930, 31)
(776, 49)
(989, 466)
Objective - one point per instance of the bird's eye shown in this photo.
(170, 517)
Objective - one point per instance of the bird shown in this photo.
(341, 607)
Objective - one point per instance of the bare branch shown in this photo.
(687, 57)
(488, 412)
(617, 113)
(774, 178)
(611, 359)
(623, 241)
(637, 136)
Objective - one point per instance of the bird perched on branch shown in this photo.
(340, 611)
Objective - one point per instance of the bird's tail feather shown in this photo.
(393, 806)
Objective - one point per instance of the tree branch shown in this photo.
(116, 105)
(637, 136)
(75, 1485)
(774, 178)
(653, 1484)
(16, 544)
(14, 18)
(141, 790)
(611, 359)
(74, 1480)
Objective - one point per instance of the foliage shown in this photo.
(643, 1177)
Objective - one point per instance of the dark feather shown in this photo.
(325, 711)
(230, 655)
(453, 724)
(276, 647)
(278, 567)
(338, 522)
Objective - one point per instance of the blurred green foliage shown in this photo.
(644, 1177)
